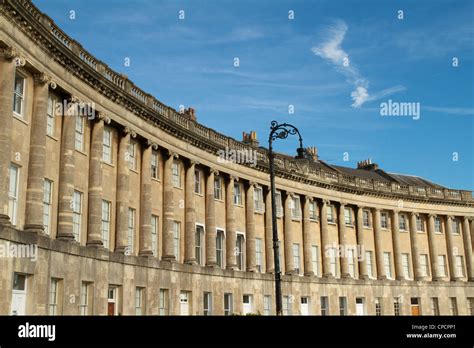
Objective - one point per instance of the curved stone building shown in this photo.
(114, 203)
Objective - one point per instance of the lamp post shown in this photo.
(279, 131)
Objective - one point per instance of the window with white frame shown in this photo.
(370, 265)
(53, 296)
(402, 222)
(324, 305)
(453, 306)
(278, 204)
(14, 175)
(351, 262)
(19, 95)
(107, 145)
(220, 246)
(163, 302)
(139, 301)
(295, 207)
(378, 306)
(131, 231)
(50, 113)
(384, 220)
(176, 174)
(132, 155)
(347, 216)
(218, 188)
(239, 250)
(247, 301)
(258, 199)
(199, 245)
(366, 218)
(313, 211)
(437, 222)
(228, 304)
(296, 257)
(387, 262)
(333, 261)
(77, 215)
(154, 164)
(106, 223)
(197, 181)
(455, 224)
(330, 213)
(459, 262)
(406, 265)
(424, 267)
(259, 253)
(267, 305)
(434, 305)
(207, 304)
(315, 259)
(47, 202)
(176, 239)
(396, 306)
(420, 227)
(342, 305)
(287, 303)
(237, 194)
(154, 235)
(443, 269)
(79, 133)
(85, 298)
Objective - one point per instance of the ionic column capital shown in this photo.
(449, 217)
(395, 211)
(9, 53)
(101, 116)
(468, 218)
(308, 198)
(432, 215)
(342, 204)
(128, 130)
(150, 143)
(42, 78)
(414, 213)
(234, 178)
(326, 201)
(377, 209)
(213, 171)
(252, 184)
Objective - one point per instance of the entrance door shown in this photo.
(112, 301)
(304, 306)
(415, 306)
(18, 306)
(247, 302)
(360, 306)
(183, 303)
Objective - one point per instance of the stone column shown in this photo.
(397, 254)
(94, 227)
(308, 264)
(343, 242)
(210, 220)
(378, 245)
(7, 81)
(467, 249)
(190, 239)
(433, 248)
(123, 173)
(269, 233)
(66, 176)
(37, 156)
(325, 240)
(288, 235)
(415, 256)
(168, 208)
(361, 242)
(145, 244)
(250, 229)
(450, 248)
(231, 237)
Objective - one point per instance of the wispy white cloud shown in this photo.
(450, 110)
(331, 50)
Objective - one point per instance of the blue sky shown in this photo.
(300, 62)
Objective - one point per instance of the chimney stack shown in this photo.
(367, 165)
(191, 114)
(250, 138)
(312, 152)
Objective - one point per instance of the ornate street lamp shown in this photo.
(279, 131)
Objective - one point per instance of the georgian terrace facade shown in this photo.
(133, 211)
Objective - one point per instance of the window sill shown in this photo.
(403, 231)
(441, 233)
(313, 220)
(331, 223)
(296, 219)
(81, 152)
(349, 225)
(219, 200)
(420, 231)
(198, 194)
(155, 179)
(178, 188)
(260, 212)
(20, 118)
(239, 205)
(108, 164)
(52, 137)
(134, 171)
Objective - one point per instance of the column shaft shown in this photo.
(325, 240)
(94, 236)
(415, 256)
(145, 247)
(37, 157)
(250, 229)
(378, 245)
(210, 221)
(397, 254)
(231, 262)
(433, 248)
(361, 242)
(123, 173)
(343, 242)
(269, 233)
(467, 249)
(190, 240)
(308, 264)
(289, 266)
(168, 208)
